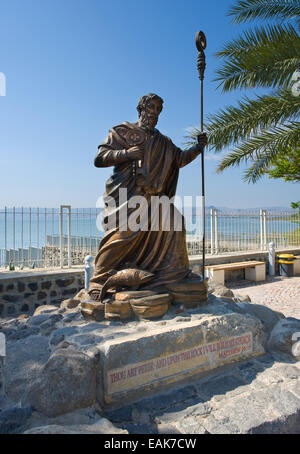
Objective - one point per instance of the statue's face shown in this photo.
(150, 114)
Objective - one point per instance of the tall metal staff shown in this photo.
(201, 65)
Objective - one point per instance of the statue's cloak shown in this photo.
(160, 251)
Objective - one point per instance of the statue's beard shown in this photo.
(149, 122)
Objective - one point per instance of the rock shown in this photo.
(60, 334)
(268, 317)
(33, 286)
(64, 344)
(103, 426)
(67, 382)
(199, 409)
(281, 337)
(90, 327)
(46, 309)
(222, 291)
(2, 381)
(49, 325)
(241, 298)
(46, 285)
(41, 295)
(167, 429)
(87, 339)
(70, 304)
(289, 372)
(88, 415)
(24, 361)
(219, 289)
(151, 306)
(72, 316)
(14, 420)
(64, 282)
(22, 333)
(69, 292)
(23, 317)
(39, 319)
(189, 426)
(270, 410)
(21, 287)
(11, 298)
(82, 295)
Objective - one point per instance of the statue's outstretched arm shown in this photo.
(184, 157)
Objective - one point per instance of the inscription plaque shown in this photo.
(208, 355)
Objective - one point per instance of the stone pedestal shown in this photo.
(144, 363)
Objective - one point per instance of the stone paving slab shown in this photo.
(279, 293)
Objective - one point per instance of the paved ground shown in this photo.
(278, 293)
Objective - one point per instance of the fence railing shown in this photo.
(59, 237)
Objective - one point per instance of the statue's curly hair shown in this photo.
(144, 99)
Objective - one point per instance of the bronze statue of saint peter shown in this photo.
(146, 163)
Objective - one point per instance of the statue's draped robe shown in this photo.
(162, 252)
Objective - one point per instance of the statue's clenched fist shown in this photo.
(202, 139)
(135, 153)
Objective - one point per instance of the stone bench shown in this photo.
(254, 270)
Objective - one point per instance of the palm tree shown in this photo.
(262, 128)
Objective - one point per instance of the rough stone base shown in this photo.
(201, 371)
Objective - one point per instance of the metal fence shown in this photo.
(243, 230)
(47, 237)
(59, 237)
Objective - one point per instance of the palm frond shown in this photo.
(250, 116)
(258, 38)
(262, 129)
(249, 10)
(263, 57)
(261, 164)
(262, 149)
(229, 126)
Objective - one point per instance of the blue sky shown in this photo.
(74, 68)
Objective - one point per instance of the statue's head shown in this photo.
(149, 108)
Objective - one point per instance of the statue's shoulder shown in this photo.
(123, 127)
(131, 133)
